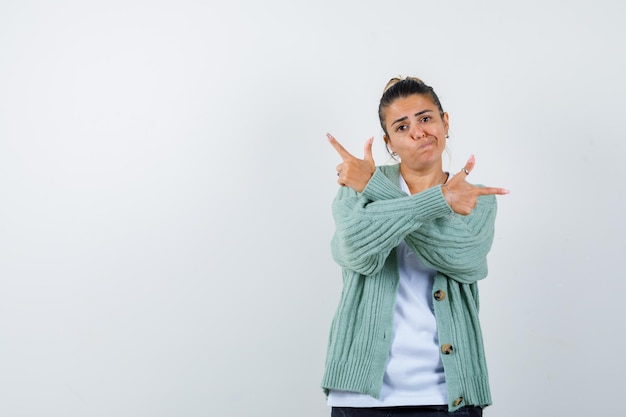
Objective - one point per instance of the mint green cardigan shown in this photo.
(369, 226)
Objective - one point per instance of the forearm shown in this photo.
(453, 244)
(458, 245)
(368, 230)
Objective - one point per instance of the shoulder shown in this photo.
(389, 170)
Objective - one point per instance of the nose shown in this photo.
(417, 132)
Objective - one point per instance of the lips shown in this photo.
(426, 142)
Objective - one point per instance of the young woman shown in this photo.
(412, 242)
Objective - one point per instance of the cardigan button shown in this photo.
(439, 295)
(457, 401)
(447, 349)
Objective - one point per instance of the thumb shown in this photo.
(469, 165)
(368, 150)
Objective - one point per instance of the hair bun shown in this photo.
(396, 80)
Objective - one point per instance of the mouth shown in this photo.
(426, 143)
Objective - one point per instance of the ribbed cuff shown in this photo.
(380, 187)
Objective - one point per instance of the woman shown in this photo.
(412, 243)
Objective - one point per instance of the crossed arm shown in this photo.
(374, 220)
(367, 231)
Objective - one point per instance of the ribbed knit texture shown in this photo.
(369, 226)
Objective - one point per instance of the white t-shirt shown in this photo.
(414, 372)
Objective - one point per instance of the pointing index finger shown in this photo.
(343, 153)
(492, 190)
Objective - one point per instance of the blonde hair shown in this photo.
(396, 80)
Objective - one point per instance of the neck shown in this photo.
(419, 181)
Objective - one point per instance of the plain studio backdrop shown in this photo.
(166, 183)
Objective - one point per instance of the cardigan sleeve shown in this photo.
(367, 231)
(453, 244)
(456, 245)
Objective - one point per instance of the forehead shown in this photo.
(406, 106)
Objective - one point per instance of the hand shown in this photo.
(463, 196)
(354, 172)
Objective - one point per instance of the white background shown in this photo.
(165, 191)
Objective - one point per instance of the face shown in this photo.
(416, 131)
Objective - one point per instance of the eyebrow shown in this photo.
(419, 113)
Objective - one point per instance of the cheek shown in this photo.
(439, 131)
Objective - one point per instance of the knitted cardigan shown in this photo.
(369, 226)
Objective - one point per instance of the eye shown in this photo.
(425, 119)
(401, 128)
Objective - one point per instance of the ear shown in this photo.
(387, 142)
(446, 124)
